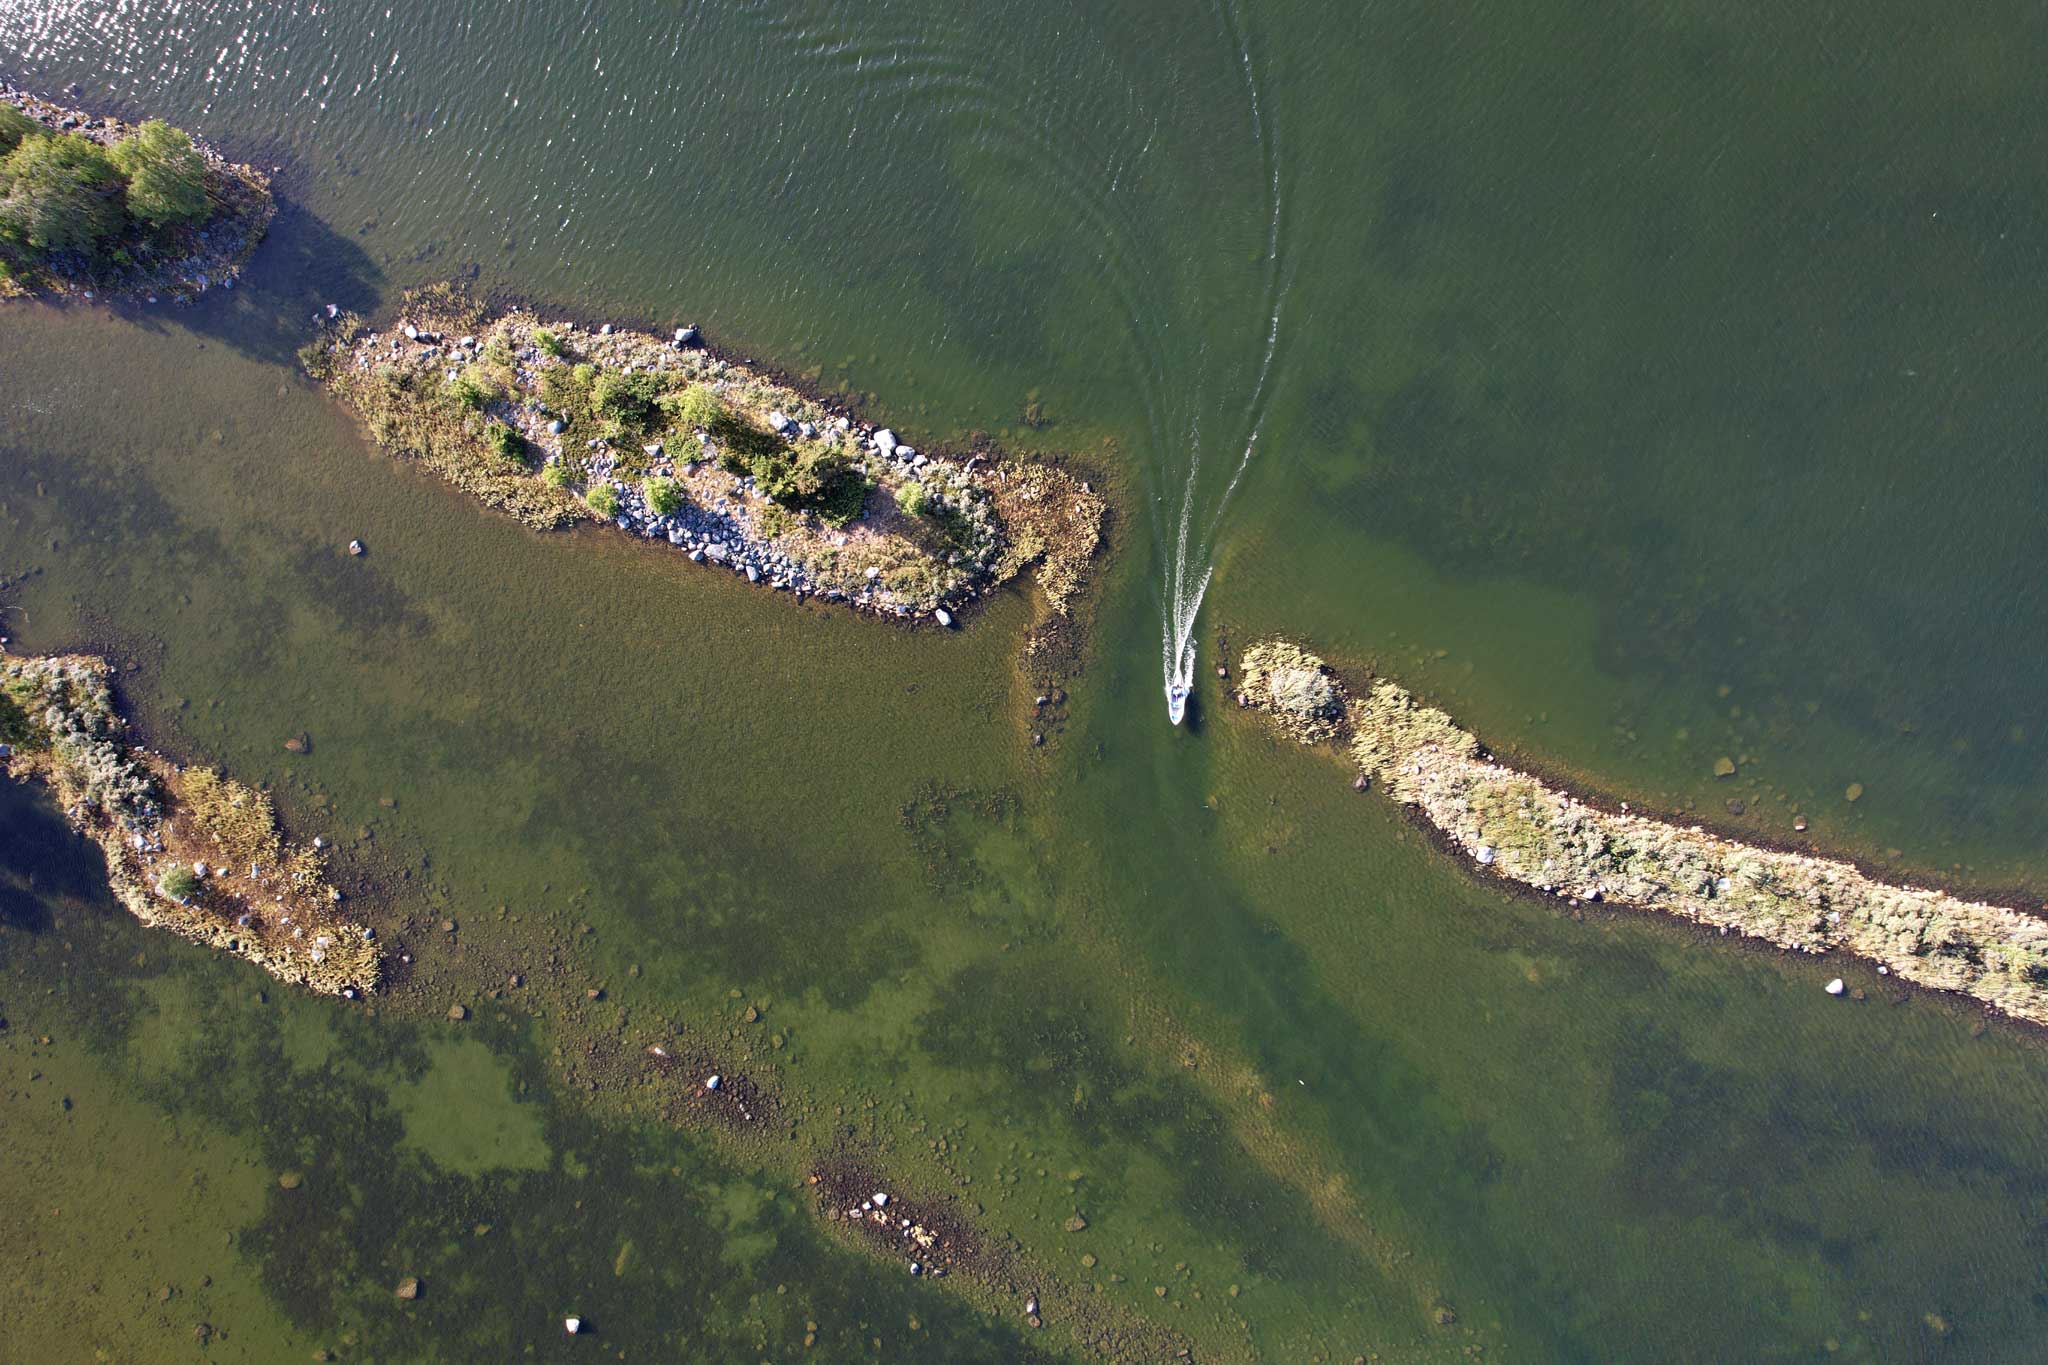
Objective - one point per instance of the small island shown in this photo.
(187, 850)
(1516, 827)
(666, 439)
(98, 207)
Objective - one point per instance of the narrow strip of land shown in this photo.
(1523, 830)
(187, 849)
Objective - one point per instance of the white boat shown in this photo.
(1176, 702)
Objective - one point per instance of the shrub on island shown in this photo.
(625, 400)
(697, 408)
(602, 500)
(914, 498)
(502, 441)
(468, 391)
(555, 476)
(664, 495)
(548, 343)
(179, 882)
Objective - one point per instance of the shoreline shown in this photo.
(175, 839)
(727, 460)
(216, 251)
(1537, 836)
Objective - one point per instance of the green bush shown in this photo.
(547, 343)
(502, 441)
(914, 498)
(555, 476)
(469, 391)
(59, 193)
(698, 408)
(664, 496)
(560, 391)
(842, 500)
(166, 175)
(602, 500)
(179, 882)
(627, 399)
(14, 126)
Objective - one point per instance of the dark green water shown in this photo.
(1650, 384)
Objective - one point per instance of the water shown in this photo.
(1647, 387)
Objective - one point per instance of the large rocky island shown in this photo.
(97, 207)
(666, 439)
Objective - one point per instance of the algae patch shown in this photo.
(462, 1115)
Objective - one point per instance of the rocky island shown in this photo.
(98, 207)
(668, 440)
(187, 850)
(1516, 827)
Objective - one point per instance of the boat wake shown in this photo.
(1090, 164)
(1194, 539)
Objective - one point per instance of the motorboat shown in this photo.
(1176, 702)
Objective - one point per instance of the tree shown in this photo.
(166, 175)
(59, 194)
(14, 126)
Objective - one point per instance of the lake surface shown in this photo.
(1648, 384)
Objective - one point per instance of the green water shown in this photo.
(1648, 384)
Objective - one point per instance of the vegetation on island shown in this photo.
(104, 203)
(1526, 831)
(186, 848)
(557, 424)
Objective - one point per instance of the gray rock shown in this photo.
(943, 617)
(885, 440)
(555, 427)
(779, 423)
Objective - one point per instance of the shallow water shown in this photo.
(1648, 387)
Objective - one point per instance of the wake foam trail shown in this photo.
(1193, 561)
